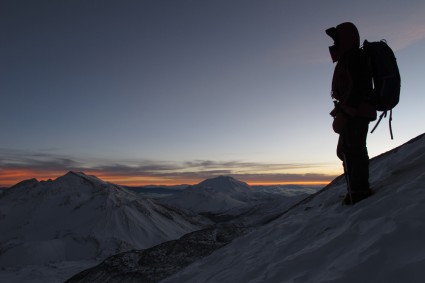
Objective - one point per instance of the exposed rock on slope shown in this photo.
(159, 262)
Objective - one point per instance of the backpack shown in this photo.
(386, 78)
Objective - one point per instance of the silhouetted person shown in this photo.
(351, 90)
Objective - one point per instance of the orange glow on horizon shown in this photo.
(9, 177)
(141, 180)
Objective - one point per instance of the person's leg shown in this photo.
(357, 158)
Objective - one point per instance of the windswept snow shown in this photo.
(380, 239)
(81, 218)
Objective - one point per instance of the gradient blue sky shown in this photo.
(177, 91)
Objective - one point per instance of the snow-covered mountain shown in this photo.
(78, 217)
(380, 239)
(212, 195)
(223, 184)
(219, 195)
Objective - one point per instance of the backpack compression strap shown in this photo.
(384, 114)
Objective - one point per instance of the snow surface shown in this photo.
(60, 224)
(380, 239)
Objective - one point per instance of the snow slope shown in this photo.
(381, 239)
(78, 218)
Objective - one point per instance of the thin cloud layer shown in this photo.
(16, 166)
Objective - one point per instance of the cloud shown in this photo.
(20, 164)
(14, 159)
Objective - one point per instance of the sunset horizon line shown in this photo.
(10, 178)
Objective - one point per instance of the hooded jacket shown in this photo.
(352, 80)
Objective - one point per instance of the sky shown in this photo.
(171, 92)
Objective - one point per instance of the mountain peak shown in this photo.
(29, 183)
(224, 183)
(223, 178)
(73, 175)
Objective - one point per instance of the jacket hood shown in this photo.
(346, 37)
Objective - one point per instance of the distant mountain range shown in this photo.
(79, 217)
(76, 220)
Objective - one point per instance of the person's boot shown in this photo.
(356, 196)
